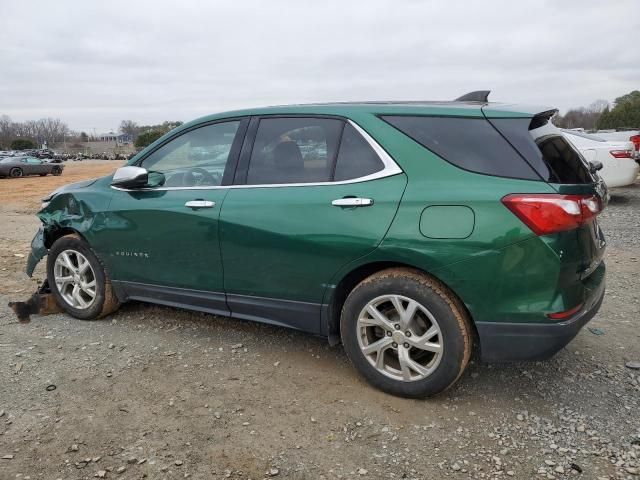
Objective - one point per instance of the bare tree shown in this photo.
(129, 127)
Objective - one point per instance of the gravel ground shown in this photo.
(161, 393)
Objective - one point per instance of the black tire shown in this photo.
(105, 300)
(15, 172)
(43, 174)
(446, 308)
(56, 171)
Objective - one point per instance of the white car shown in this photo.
(617, 157)
(613, 136)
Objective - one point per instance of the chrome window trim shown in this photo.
(390, 168)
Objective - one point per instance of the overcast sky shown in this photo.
(93, 64)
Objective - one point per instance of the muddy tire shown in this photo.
(78, 279)
(406, 333)
(56, 171)
(15, 172)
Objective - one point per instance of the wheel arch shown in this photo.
(53, 234)
(351, 279)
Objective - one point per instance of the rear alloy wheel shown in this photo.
(400, 338)
(78, 279)
(406, 333)
(15, 172)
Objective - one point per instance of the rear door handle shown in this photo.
(200, 204)
(352, 202)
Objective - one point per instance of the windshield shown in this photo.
(7, 160)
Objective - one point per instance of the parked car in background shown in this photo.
(22, 166)
(623, 135)
(617, 157)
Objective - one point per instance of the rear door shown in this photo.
(311, 195)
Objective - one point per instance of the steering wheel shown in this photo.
(197, 176)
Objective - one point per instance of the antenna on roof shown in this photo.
(477, 96)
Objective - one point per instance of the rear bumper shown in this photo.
(504, 342)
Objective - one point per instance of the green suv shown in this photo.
(410, 232)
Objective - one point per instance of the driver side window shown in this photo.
(195, 158)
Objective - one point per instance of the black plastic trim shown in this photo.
(286, 313)
(200, 300)
(508, 342)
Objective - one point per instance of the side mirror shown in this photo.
(130, 177)
(595, 165)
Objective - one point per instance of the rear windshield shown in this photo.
(469, 143)
(545, 149)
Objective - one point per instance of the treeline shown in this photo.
(143, 135)
(31, 133)
(600, 115)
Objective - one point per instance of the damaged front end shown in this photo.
(69, 210)
(38, 251)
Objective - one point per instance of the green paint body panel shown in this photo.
(447, 222)
(290, 243)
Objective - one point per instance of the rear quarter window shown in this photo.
(545, 149)
(469, 143)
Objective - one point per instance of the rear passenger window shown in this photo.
(294, 150)
(469, 143)
(356, 158)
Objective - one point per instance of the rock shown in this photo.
(273, 471)
(121, 469)
(101, 474)
(362, 471)
(7, 457)
(633, 365)
(551, 463)
(179, 463)
(455, 467)
(236, 346)
(276, 364)
(559, 469)
(511, 473)
(74, 448)
(632, 471)
(520, 417)
(131, 460)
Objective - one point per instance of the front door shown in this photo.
(158, 240)
(316, 196)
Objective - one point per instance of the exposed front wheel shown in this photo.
(78, 279)
(15, 172)
(56, 171)
(406, 333)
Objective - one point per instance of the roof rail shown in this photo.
(477, 96)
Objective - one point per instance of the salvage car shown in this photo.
(21, 166)
(409, 232)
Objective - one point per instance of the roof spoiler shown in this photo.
(477, 96)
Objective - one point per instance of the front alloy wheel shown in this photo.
(78, 279)
(75, 279)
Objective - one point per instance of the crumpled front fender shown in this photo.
(38, 251)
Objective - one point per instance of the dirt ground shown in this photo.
(155, 392)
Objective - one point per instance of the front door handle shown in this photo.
(352, 202)
(195, 204)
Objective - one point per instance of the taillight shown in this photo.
(636, 141)
(551, 213)
(620, 153)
